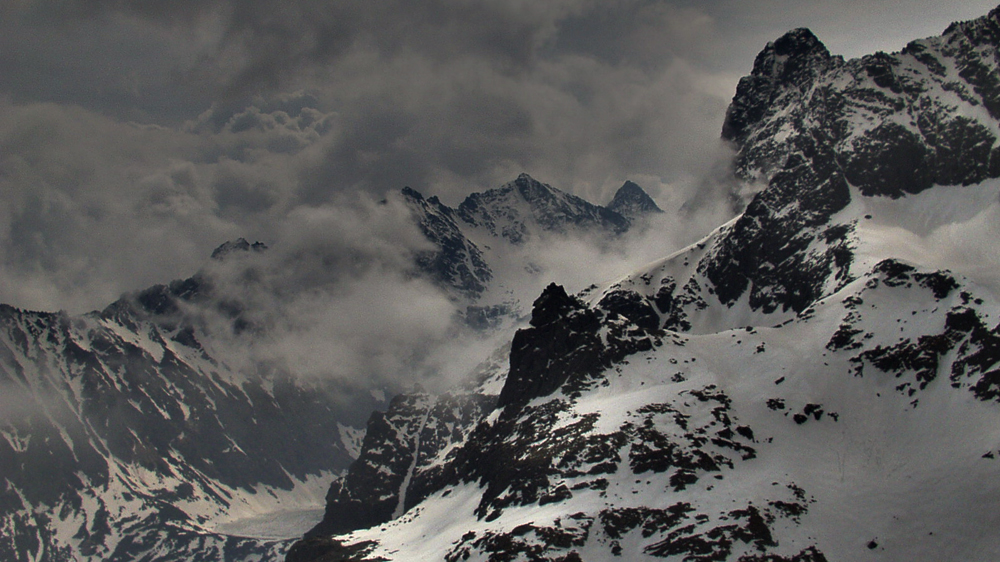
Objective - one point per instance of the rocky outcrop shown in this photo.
(808, 366)
(400, 462)
(123, 429)
(633, 203)
(509, 216)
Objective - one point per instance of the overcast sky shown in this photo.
(137, 135)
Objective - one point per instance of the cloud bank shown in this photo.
(137, 135)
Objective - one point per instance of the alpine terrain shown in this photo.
(126, 435)
(149, 431)
(815, 380)
(482, 251)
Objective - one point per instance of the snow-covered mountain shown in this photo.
(126, 436)
(155, 430)
(480, 246)
(815, 380)
(526, 207)
(633, 203)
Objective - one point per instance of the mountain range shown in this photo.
(145, 431)
(491, 230)
(816, 379)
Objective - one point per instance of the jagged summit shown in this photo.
(530, 188)
(794, 58)
(632, 202)
(792, 62)
(879, 126)
(526, 207)
(469, 239)
(239, 245)
(889, 123)
(411, 193)
(797, 44)
(733, 400)
(526, 187)
(988, 25)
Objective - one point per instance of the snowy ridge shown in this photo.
(749, 442)
(124, 439)
(482, 252)
(524, 207)
(818, 379)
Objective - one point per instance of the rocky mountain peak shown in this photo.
(532, 190)
(632, 202)
(411, 193)
(238, 245)
(795, 58)
(796, 44)
(986, 27)
(554, 303)
(526, 207)
(790, 63)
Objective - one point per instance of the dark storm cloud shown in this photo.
(160, 56)
(256, 110)
(82, 203)
(447, 96)
(137, 135)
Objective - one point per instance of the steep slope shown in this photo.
(633, 203)
(858, 426)
(126, 436)
(525, 207)
(456, 262)
(832, 140)
(807, 383)
(490, 232)
(413, 439)
(150, 430)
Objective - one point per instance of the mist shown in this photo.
(135, 137)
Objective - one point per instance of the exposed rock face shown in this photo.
(633, 203)
(238, 245)
(812, 125)
(400, 460)
(561, 327)
(456, 262)
(734, 400)
(525, 206)
(525, 209)
(564, 346)
(888, 122)
(785, 69)
(128, 435)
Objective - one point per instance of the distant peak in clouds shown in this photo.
(631, 201)
(238, 245)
